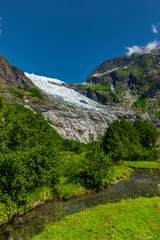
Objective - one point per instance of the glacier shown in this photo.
(57, 88)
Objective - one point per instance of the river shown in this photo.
(142, 183)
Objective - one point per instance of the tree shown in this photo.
(119, 140)
(147, 132)
(93, 170)
(125, 141)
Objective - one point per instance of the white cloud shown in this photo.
(134, 49)
(154, 29)
(142, 50)
(151, 46)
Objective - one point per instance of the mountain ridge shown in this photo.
(69, 119)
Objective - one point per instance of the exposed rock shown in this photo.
(11, 77)
(78, 123)
(139, 73)
(74, 122)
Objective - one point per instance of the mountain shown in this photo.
(17, 88)
(77, 111)
(131, 81)
(137, 75)
(74, 115)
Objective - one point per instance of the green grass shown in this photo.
(124, 170)
(67, 190)
(129, 219)
(100, 88)
(140, 103)
(35, 92)
(17, 94)
(119, 90)
(80, 85)
(142, 164)
(121, 172)
(37, 197)
(95, 87)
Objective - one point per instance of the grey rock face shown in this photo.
(77, 123)
(94, 95)
(10, 80)
(11, 76)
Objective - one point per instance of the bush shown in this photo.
(92, 170)
(124, 141)
(74, 146)
(140, 103)
(28, 150)
(148, 133)
(22, 172)
(119, 139)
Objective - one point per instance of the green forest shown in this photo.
(33, 155)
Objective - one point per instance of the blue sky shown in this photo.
(68, 39)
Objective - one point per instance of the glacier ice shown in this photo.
(57, 88)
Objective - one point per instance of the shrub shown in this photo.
(147, 132)
(140, 103)
(92, 170)
(124, 141)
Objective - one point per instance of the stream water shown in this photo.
(142, 183)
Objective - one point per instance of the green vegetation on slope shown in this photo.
(30, 158)
(141, 104)
(17, 94)
(97, 87)
(35, 92)
(34, 156)
(28, 153)
(131, 219)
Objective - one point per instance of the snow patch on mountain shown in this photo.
(57, 88)
(101, 74)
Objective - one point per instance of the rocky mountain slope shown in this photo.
(127, 81)
(139, 74)
(74, 115)
(17, 88)
(78, 110)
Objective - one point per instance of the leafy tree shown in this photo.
(74, 146)
(119, 139)
(28, 152)
(147, 132)
(22, 172)
(124, 141)
(92, 170)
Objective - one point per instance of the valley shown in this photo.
(60, 140)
